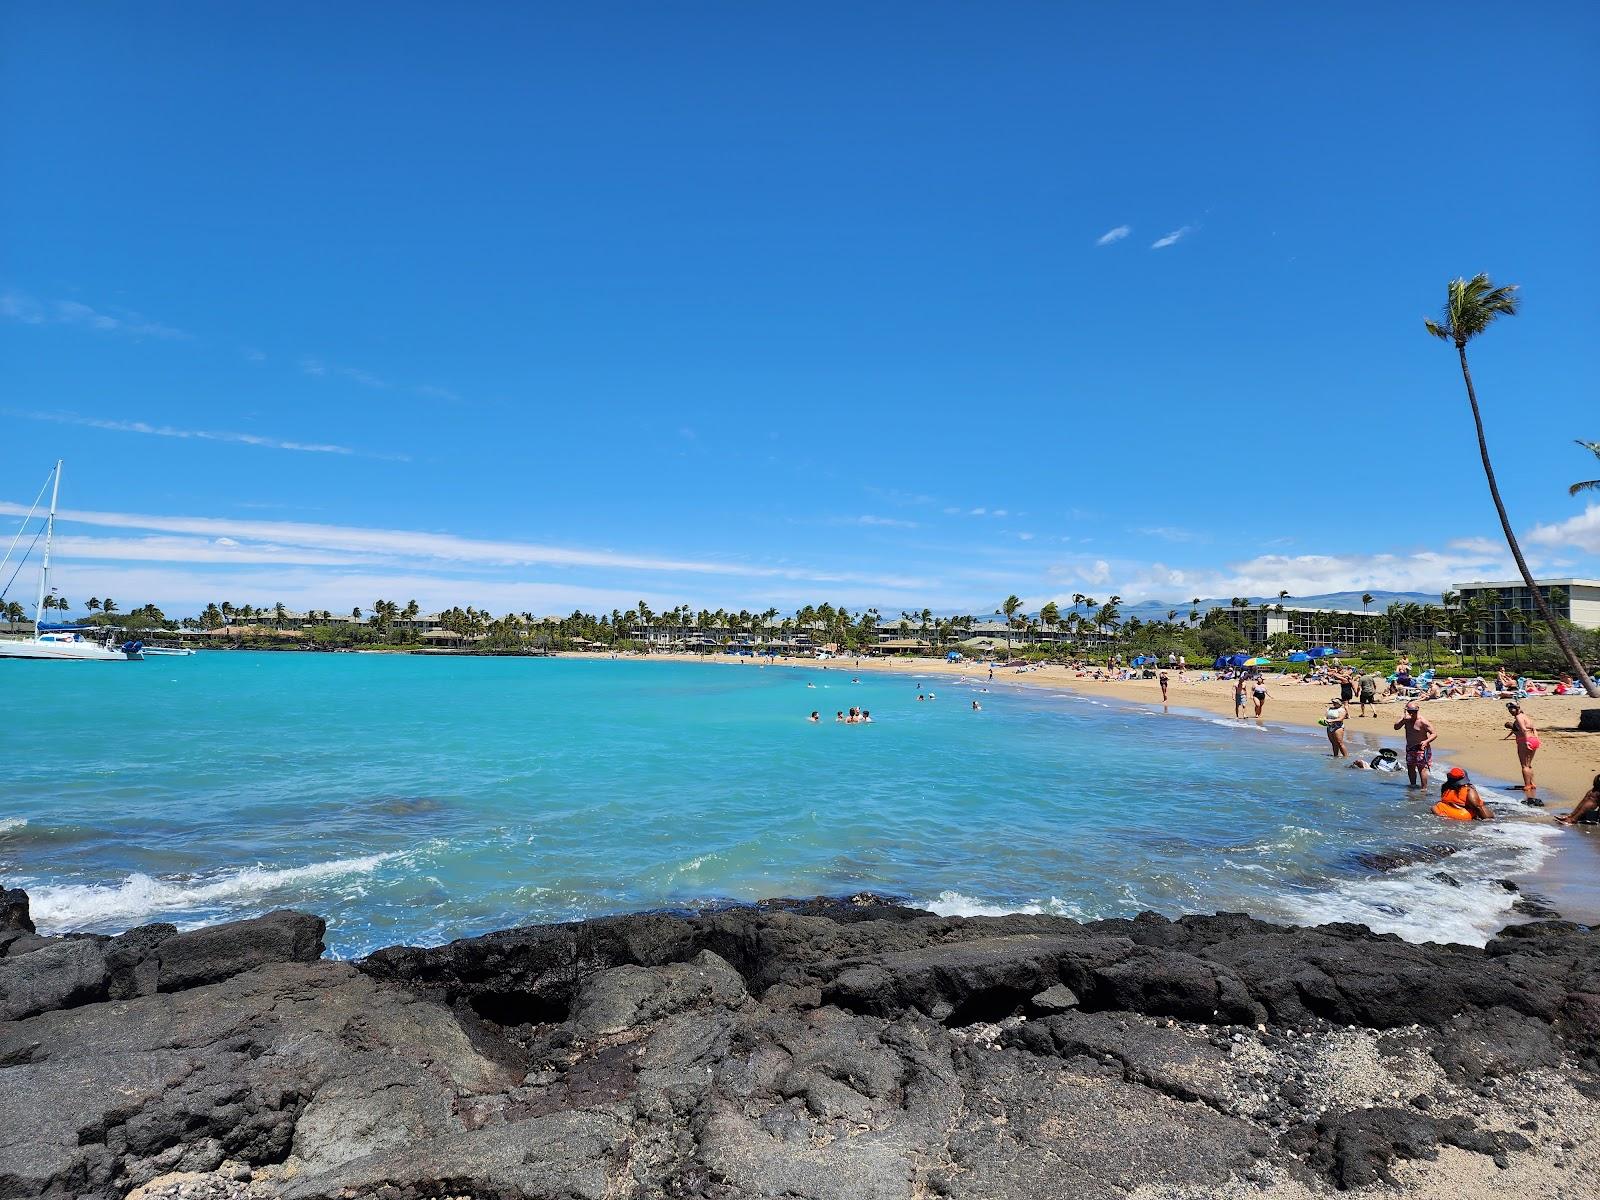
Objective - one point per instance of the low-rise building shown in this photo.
(1575, 600)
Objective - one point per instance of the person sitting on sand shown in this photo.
(1587, 810)
(1459, 800)
(1419, 744)
(1521, 727)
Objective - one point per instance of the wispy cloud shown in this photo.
(321, 370)
(418, 546)
(1171, 533)
(886, 522)
(1172, 239)
(18, 306)
(1113, 235)
(205, 435)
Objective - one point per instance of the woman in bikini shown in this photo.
(1521, 727)
(1334, 720)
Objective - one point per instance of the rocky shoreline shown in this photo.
(831, 1049)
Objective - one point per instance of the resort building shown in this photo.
(1575, 600)
(1258, 623)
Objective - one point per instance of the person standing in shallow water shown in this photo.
(1419, 744)
(1334, 720)
(1521, 727)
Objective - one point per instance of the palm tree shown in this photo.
(1009, 608)
(1587, 484)
(1471, 306)
(108, 606)
(1366, 599)
(93, 604)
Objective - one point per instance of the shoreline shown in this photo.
(1567, 876)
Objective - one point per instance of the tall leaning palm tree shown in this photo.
(1471, 306)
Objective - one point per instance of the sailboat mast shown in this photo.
(44, 570)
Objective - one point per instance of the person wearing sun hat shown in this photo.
(1459, 800)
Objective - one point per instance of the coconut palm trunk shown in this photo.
(1471, 306)
(1574, 663)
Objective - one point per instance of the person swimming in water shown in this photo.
(815, 716)
(838, 714)
(1459, 800)
(976, 707)
(866, 717)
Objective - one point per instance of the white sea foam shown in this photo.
(950, 903)
(7, 824)
(60, 907)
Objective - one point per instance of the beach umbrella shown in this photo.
(1323, 652)
(1299, 656)
(1258, 662)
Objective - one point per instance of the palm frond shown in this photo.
(1471, 306)
(1438, 330)
(1586, 486)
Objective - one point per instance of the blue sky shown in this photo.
(727, 304)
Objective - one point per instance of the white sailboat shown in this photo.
(64, 643)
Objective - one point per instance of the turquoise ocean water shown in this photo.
(419, 799)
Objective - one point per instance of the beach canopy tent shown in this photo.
(1230, 660)
(953, 656)
(1322, 652)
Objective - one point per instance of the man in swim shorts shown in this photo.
(1419, 744)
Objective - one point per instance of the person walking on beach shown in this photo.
(1587, 810)
(1419, 744)
(1334, 720)
(1163, 681)
(1367, 689)
(1259, 693)
(1521, 727)
(1238, 697)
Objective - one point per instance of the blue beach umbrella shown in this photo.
(1323, 652)
(1299, 656)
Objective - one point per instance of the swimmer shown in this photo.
(920, 697)
(933, 695)
(976, 707)
(1459, 800)
(855, 716)
(1587, 810)
(855, 681)
(838, 715)
(866, 717)
(814, 717)
(811, 685)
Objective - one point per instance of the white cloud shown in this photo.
(1172, 238)
(1477, 545)
(1171, 533)
(18, 306)
(418, 547)
(887, 522)
(1581, 532)
(1098, 573)
(1113, 235)
(206, 435)
(321, 370)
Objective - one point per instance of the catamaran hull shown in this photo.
(66, 652)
